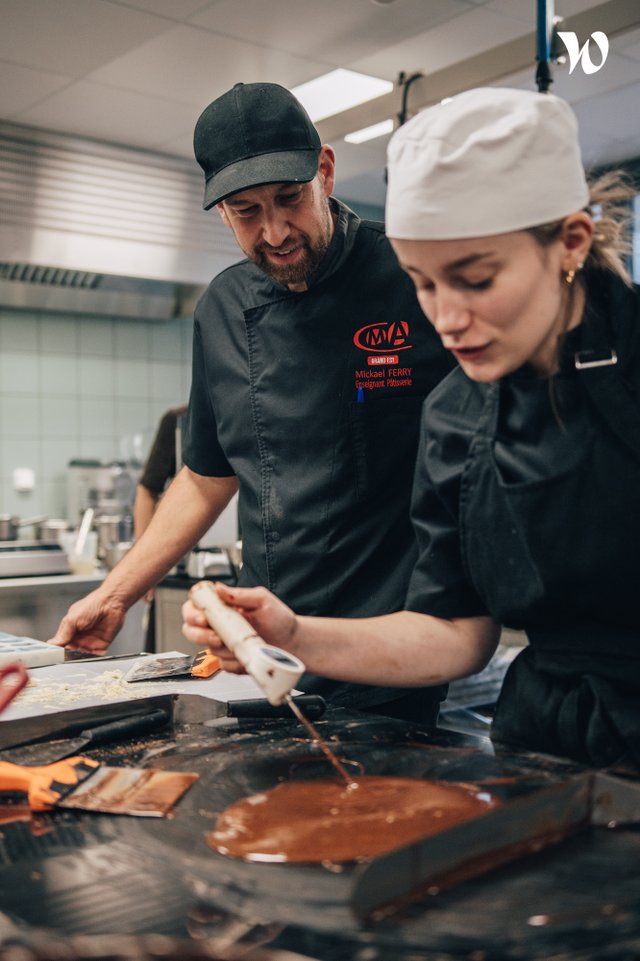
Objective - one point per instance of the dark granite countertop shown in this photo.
(68, 874)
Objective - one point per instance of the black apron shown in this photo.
(553, 548)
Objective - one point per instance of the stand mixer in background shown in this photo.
(109, 490)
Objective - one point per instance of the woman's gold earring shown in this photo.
(569, 277)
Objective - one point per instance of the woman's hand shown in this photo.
(269, 617)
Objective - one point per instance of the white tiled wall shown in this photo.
(81, 387)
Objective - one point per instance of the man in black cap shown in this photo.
(268, 174)
(311, 359)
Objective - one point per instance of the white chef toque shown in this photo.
(488, 161)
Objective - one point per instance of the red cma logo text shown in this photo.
(381, 338)
(581, 55)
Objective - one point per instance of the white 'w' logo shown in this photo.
(579, 54)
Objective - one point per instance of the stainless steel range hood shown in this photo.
(93, 228)
(71, 291)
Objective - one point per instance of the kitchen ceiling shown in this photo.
(139, 72)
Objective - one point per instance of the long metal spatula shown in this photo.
(46, 752)
(520, 827)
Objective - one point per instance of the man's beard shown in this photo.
(296, 273)
(309, 261)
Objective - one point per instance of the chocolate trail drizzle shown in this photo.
(320, 741)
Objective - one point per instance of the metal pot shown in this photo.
(116, 552)
(48, 531)
(10, 525)
(112, 530)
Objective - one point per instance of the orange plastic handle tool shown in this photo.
(45, 786)
(205, 664)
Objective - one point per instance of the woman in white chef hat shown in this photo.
(527, 491)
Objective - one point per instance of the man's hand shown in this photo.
(269, 617)
(90, 624)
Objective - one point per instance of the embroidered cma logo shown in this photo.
(578, 54)
(381, 338)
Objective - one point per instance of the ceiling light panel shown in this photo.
(370, 133)
(338, 91)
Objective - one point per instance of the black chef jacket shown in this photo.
(313, 400)
(527, 508)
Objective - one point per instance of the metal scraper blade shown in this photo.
(156, 668)
(141, 792)
(202, 664)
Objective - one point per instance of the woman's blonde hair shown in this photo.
(609, 205)
(610, 197)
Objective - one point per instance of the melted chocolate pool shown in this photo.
(314, 821)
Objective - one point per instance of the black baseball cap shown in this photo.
(254, 134)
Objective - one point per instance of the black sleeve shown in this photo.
(439, 584)
(161, 463)
(201, 450)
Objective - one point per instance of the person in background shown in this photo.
(311, 361)
(526, 502)
(158, 471)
